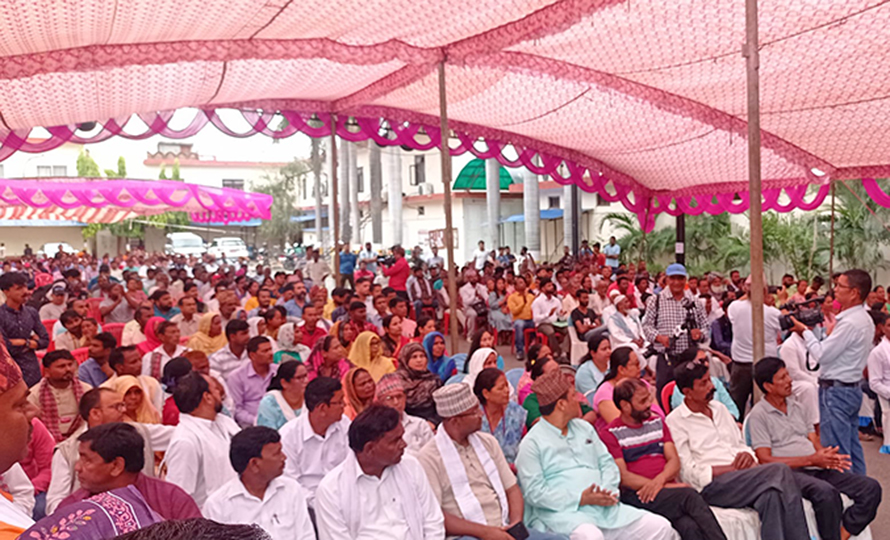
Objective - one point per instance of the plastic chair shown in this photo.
(48, 324)
(184, 340)
(456, 378)
(577, 347)
(81, 355)
(459, 360)
(116, 330)
(94, 311)
(666, 394)
(513, 377)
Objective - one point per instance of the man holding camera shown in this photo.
(843, 356)
(666, 313)
(398, 271)
(741, 371)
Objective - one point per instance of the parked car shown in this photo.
(185, 243)
(231, 246)
(51, 248)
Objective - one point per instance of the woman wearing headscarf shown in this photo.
(345, 334)
(367, 353)
(481, 359)
(284, 400)
(439, 363)
(151, 338)
(210, 336)
(359, 389)
(420, 382)
(138, 407)
(257, 326)
(328, 359)
(289, 345)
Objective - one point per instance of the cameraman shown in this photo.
(741, 381)
(398, 272)
(665, 312)
(843, 356)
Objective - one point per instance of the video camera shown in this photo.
(803, 312)
(386, 260)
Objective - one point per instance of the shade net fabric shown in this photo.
(641, 101)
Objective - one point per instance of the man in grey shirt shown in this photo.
(780, 432)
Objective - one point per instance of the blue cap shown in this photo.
(676, 269)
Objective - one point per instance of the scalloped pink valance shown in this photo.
(106, 201)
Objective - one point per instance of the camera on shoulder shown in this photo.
(808, 312)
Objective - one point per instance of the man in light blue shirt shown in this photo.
(843, 356)
(368, 257)
(612, 251)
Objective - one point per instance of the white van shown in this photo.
(185, 243)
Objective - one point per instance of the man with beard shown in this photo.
(297, 304)
(58, 394)
(715, 460)
(198, 457)
(645, 454)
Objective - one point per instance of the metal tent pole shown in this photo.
(680, 245)
(752, 56)
(449, 232)
(335, 214)
(831, 248)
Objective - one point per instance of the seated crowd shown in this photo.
(177, 390)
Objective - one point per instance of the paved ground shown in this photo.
(878, 464)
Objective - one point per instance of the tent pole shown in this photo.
(831, 247)
(752, 57)
(336, 227)
(445, 153)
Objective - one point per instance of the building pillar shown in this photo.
(343, 179)
(354, 213)
(395, 193)
(375, 174)
(531, 204)
(493, 199)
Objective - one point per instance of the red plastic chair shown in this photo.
(530, 335)
(184, 340)
(94, 311)
(48, 324)
(81, 355)
(666, 394)
(115, 329)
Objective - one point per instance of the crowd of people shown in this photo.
(171, 394)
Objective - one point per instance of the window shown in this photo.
(600, 201)
(417, 172)
(421, 211)
(234, 183)
(44, 170)
(552, 202)
(360, 179)
(60, 170)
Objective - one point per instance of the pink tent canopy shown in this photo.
(110, 201)
(642, 101)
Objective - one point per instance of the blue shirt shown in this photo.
(293, 310)
(721, 395)
(348, 262)
(90, 373)
(174, 311)
(844, 353)
(612, 252)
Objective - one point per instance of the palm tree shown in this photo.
(634, 243)
(858, 235)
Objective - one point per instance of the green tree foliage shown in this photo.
(175, 173)
(282, 187)
(86, 165)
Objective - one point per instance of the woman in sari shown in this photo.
(284, 400)
(328, 359)
(392, 338)
(502, 417)
(138, 408)
(105, 515)
(289, 345)
(359, 389)
(367, 353)
(345, 334)
(439, 363)
(483, 338)
(426, 325)
(210, 336)
(420, 383)
(151, 338)
(499, 315)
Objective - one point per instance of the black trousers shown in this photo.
(687, 511)
(769, 489)
(664, 373)
(741, 385)
(823, 489)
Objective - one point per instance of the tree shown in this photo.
(282, 187)
(175, 174)
(657, 244)
(859, 236)
(86, 165)
(121, 171)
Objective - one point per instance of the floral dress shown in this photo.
(509, 430)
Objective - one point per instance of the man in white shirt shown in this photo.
(377, 493)
(546, 311)
(368, 257)
(97, 407)
(153, 362)
(741, 382)
(805, 382)
(434, 260)
(474, 297)
(715, 460)
(198, 457)
(234, 354)
(187, 319)
(480, 256)
(261, 495)
(316, 441)
(317, 269)
(391, 392)
(134, 331)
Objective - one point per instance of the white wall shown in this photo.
(15, 238)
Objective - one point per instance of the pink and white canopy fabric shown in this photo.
(111, 201)
(642, 101)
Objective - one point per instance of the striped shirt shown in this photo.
(641, 446)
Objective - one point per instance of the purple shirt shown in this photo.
(247, 388)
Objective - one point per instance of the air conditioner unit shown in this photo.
(426, 189)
